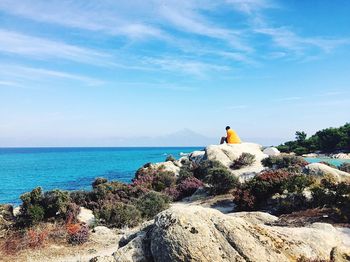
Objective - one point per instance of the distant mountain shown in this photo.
(184, 137)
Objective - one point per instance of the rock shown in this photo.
(103, 259)
(137, 250)
(86, 216)
(341, 156)
(6, 212)
(196, 156)
(340, 255)
(194, 233)
(310, 155)
(271, 151)
(16, 211)
(227, 153)
(320, 170)
(169, 166)
(256, 217)
(6, 218)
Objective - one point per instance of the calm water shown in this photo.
(22, 169)
(336, 162)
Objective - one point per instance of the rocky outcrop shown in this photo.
(341, 156)
(86, 216)
(271, 151)
(6, 218)
(320, 170)
(194, 233)
(227, 153)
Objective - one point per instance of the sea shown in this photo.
(22, 169)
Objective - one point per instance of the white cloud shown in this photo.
(40, 48)
(23, 73)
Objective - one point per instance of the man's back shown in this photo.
(232, 137)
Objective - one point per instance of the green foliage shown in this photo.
(152, 203)
(37, 206)
(170, 158)
(283, 161)
(220, 180)
(202, 170)
(119, 215)
(255, 194)
(326, 140)
(245, 159)
(55, 203)
(35, 214)
(99, 181)
(333, 195)
(345, 167)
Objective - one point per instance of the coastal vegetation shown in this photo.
(281, 185)
(327, 140)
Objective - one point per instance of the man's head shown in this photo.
(227, 128)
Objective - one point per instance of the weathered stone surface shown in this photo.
(194, 233)
(167, 166)
(271, 151)
(320, 170)
(86, 216)
(227, 153)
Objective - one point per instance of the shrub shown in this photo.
(72, 213)
(77, 234)
(119, 215)
(245, 159)
(172, 193)
(220, 180)
(333, 195)
(170, 158)
(202, 170)
(154, 179)
(55, 203)
(257, 192)
(188, 186)
(345, 167)
(35, 214)
(152, 203)
(283, 161)
(99, 181)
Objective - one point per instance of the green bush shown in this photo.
(55, 203)
(255, 194)
(345, 167)
(283, 161)
(245, 159)
(220, 180)
(99, 181)
(119, 215)
(170, 158)
(202, 170)
(152, 203)
(35, 214)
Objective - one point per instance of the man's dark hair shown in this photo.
(227, 128)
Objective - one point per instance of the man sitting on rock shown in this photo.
(231, 137)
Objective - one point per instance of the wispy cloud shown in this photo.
(40, 48)
(190, 67)
(21, 73)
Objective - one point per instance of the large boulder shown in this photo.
(6, 218)
(227, 153)
(320, 170)
(271, 151)
(194, 233)
(87, 216)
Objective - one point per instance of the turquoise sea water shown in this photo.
(22, 169)
(336, 162)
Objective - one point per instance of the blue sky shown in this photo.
(110, 72)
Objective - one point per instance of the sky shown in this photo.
(157, 72)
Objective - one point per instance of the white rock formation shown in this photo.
(341, 156)
(227, 153)
(194, 233)
(168, 166)
(86, 216)
(271, 151)
(319, 169)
